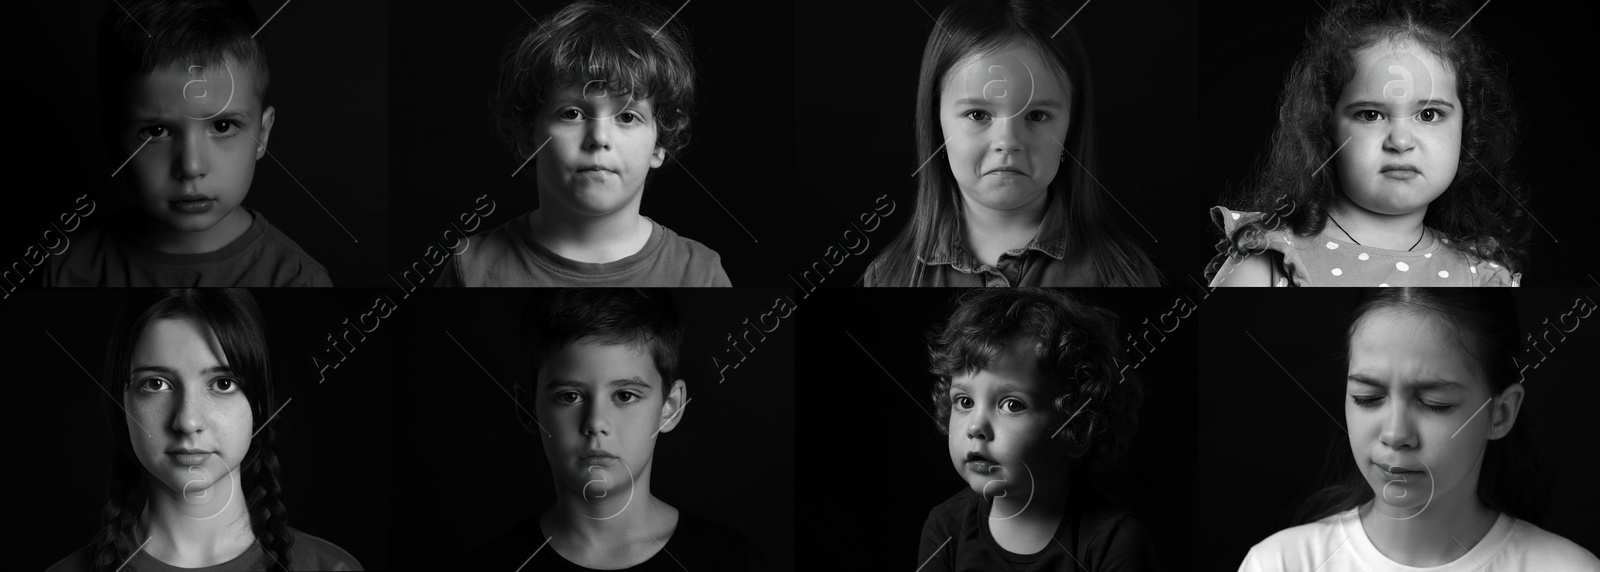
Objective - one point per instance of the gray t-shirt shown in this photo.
(111, 255)
(507, 256)
(307, 553)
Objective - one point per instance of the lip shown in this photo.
(190, 457)
(193, 204)
(1399, 171)
(596, 169)
(984, 467)
(597, 456)
(1397, 471)
(1005, 170)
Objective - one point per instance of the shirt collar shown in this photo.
(1051, 239)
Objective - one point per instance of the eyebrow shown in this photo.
(1420, 384)
(172, 372)
(634, 382)
(1004, 388)
(1421, 103)
(1050, 103)
(234, 114)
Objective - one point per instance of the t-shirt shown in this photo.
(1093, 535)
(1339, 542)
(1051, 258)
(110, 254)
(508, 256)
(1322, 261)
(307, 553)
(696, 544)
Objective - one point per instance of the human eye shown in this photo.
(568, 397)
(154, 132)
(630, 117)
(569, 114)
(1436, 408)
(1368, 115)
(1013, 405)
(152, 384)
(1367, 401)
(225, 385)
(1430, 115)
(1040, 116)
(976, 115)
(627, 397)
(226, 127)
(962, 402)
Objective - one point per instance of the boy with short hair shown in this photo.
(1030, 394)
(183, 94)
(596, 96)
(602, 390)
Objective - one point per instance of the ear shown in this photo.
(526, 404)
(267, 118)
(658, 158)
(1503, 411)
(672, 409)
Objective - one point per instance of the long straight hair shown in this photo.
(972, 27)
(232, 315)
(1510, 479)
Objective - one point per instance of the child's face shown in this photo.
(1005, 114)
(1403, 120)
(1003, 415)
(181, 389)
(203, 123)
(1418, 388)
(597, 149)
(601, 405)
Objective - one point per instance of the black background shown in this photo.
(446, 64)
(855, 72)
(466, 471)
(335, 479)
(1248, 48)
(329, 86)
(879, 463)
(1264, 444)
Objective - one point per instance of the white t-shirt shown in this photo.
(1339, 543)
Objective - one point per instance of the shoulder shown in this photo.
(86, 253)
(1299, 547)
(314, 553)
(951, 512)
(705, 539)
(702, 265)
(1246, 260)
(1539, 549)
(506, 550)
(1481, 269)
(296, 267)
(487, 250)
(78, 560)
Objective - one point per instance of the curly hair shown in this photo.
(1481, 210)
(1073, 342)
(631, 49)
(235, 319)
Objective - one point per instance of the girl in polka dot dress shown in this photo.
(1390, 165)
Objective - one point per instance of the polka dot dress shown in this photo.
(1332, 261)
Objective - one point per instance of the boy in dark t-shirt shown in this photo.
(602, 391)
(183, 90)
(1029, 393)
(591, 100)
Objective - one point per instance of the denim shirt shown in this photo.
(1049, 259)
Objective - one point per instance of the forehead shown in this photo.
(1012, 369)
(1399, 346)
(195, 89)
(593, 363)
(1399, 72)
(1014, 73)
(180, 342)
(594, 92)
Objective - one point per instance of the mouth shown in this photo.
(1005, 171)
(978, 462)
(596, 169)
(189, 456)
(193, 203)
(596, 456)
(1399, 171)
(1396, 470)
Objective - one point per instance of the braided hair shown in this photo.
(234, 318)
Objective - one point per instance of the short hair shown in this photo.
(635, 49)
(149, 34)
(1073, 342)
(646, 318)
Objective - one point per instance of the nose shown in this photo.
(1005, 140)
(978, 426)
(190, 417)
(594, 421)
(597, 134)
(1399, 139)
(190, 157)
(1398, 431)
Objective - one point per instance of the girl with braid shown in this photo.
(195, 480)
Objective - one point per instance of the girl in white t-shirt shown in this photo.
(1442, 461)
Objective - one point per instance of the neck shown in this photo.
(603, 521)
(602, 238)
(162, 238)
(192, 530)
(1377, 230)
(1025, 523)
(1441, 534)
(990, 232)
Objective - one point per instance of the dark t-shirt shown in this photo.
(697, 544)
(110, 254)
(307, 553)
(506, 256)
(1093, 535)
